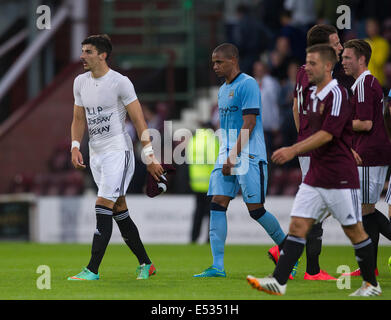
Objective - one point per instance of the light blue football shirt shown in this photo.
(240, 97)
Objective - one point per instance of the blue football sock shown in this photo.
(269, 223)
(218, 235)
(272, 227)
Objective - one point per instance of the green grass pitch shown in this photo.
(175, 266)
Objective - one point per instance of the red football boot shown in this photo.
(357, 273)
(322, 275)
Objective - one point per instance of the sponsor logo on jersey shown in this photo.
(229, 109)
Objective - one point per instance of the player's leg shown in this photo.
(383, 223)
(345, 206)
(372, 180)
(371, 227)
(217, 236)
(291, 252)
(388, 201)
(103, 210)
(388, 198)
(364, 253)
(314, 240)
(131, 236)
(113, 170)
(101, 238)
(254, 189)
(218, 229)
(308, 207)
(203, 211)
(313, 249)
(206, 213)
(102, 235)
(127, 227)
(197, 216)
(222, 189)
(268, 221)
(371, 185)
(293, 247)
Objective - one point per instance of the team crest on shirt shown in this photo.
(231, 94)
(321, 108)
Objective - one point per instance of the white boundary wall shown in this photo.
(164, 219)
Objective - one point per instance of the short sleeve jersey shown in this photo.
(332, 165)
(240, 97)
(373, 146)
(104, 100)
(301, 94)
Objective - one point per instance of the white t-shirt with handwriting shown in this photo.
(104, 100)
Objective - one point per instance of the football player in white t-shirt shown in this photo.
(102, 99)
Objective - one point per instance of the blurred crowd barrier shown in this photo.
(72, 220)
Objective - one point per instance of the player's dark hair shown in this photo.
(228, 49)
(325, 51)
(320, 34)
(101, 42)
(360, 48)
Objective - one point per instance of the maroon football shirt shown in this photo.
(332, 165)
(301, 93)
(373, 146)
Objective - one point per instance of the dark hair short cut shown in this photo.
(320, 34)
(101, 42)
(228, 49)
(360, 48)
(326, 53)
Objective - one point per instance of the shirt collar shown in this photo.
(325, 91)
(237, 76)
(362, 75)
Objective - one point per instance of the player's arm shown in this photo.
(364, 110)
(249, 122)
(359, 125)
(77, 131)
(295, 111)
(356, 157)
(136, 115)
(313, 142)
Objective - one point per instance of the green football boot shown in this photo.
(145, 271)
(211, 272)
(85, 275)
